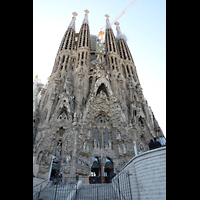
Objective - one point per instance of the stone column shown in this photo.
(102, 171)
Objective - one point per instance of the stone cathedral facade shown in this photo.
(92, 108)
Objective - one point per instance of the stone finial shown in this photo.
(74, 14)
(119, 33)
(86, 11)
(107, 16)
(72, 23)
(117, 25)
(85, 20)
(108, 25)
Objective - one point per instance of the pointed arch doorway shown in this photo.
(96, 167)
(109, 170)
(96, 171)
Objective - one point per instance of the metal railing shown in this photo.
(122, 186)
(69, 189)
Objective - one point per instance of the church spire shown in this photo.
(122, 45)
(72, 23)
(84, 34)
(110, 41)
(69, 37)
(108, 25)
(119, 33)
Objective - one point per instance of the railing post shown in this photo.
(39, 191)
(76, 190)
(129, 183)
(97, 190)
(56, 190)
(119, 189)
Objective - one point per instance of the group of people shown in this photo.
(154, 144)
(97, 179)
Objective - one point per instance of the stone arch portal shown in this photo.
(96, 167)
(108, 170)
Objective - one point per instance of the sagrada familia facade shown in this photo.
(92, 108)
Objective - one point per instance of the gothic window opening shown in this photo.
(66, 43)
(128, 70)
(63, 114)
(131, 67)
(96, 134)
(67, 59)
(86, 56)
(84, 37)
(111, 59)
(97, 139)
(116, 61)
(72, 38)
(113, 42)
(106, 138)
(124, 71)
(63, 59)
(83, 55)
(102, 88)
(123, 49)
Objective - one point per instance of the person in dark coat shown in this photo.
(96, 179)
(151, 144)
(156, 143)
(113, 175)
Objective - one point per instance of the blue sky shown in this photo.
(144, 25)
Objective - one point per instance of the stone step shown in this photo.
(90, 191)
(103, 191)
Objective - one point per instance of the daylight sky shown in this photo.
(144, 25)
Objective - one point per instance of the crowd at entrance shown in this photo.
(99, 179)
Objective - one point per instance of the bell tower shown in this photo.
(81, 80)
(112, 56)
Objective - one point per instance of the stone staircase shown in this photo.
(103, 191)
(97, 191)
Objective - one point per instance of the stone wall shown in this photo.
(148, 175)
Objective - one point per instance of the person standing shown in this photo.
(151, 144)
(77, 177)
(156, 143)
